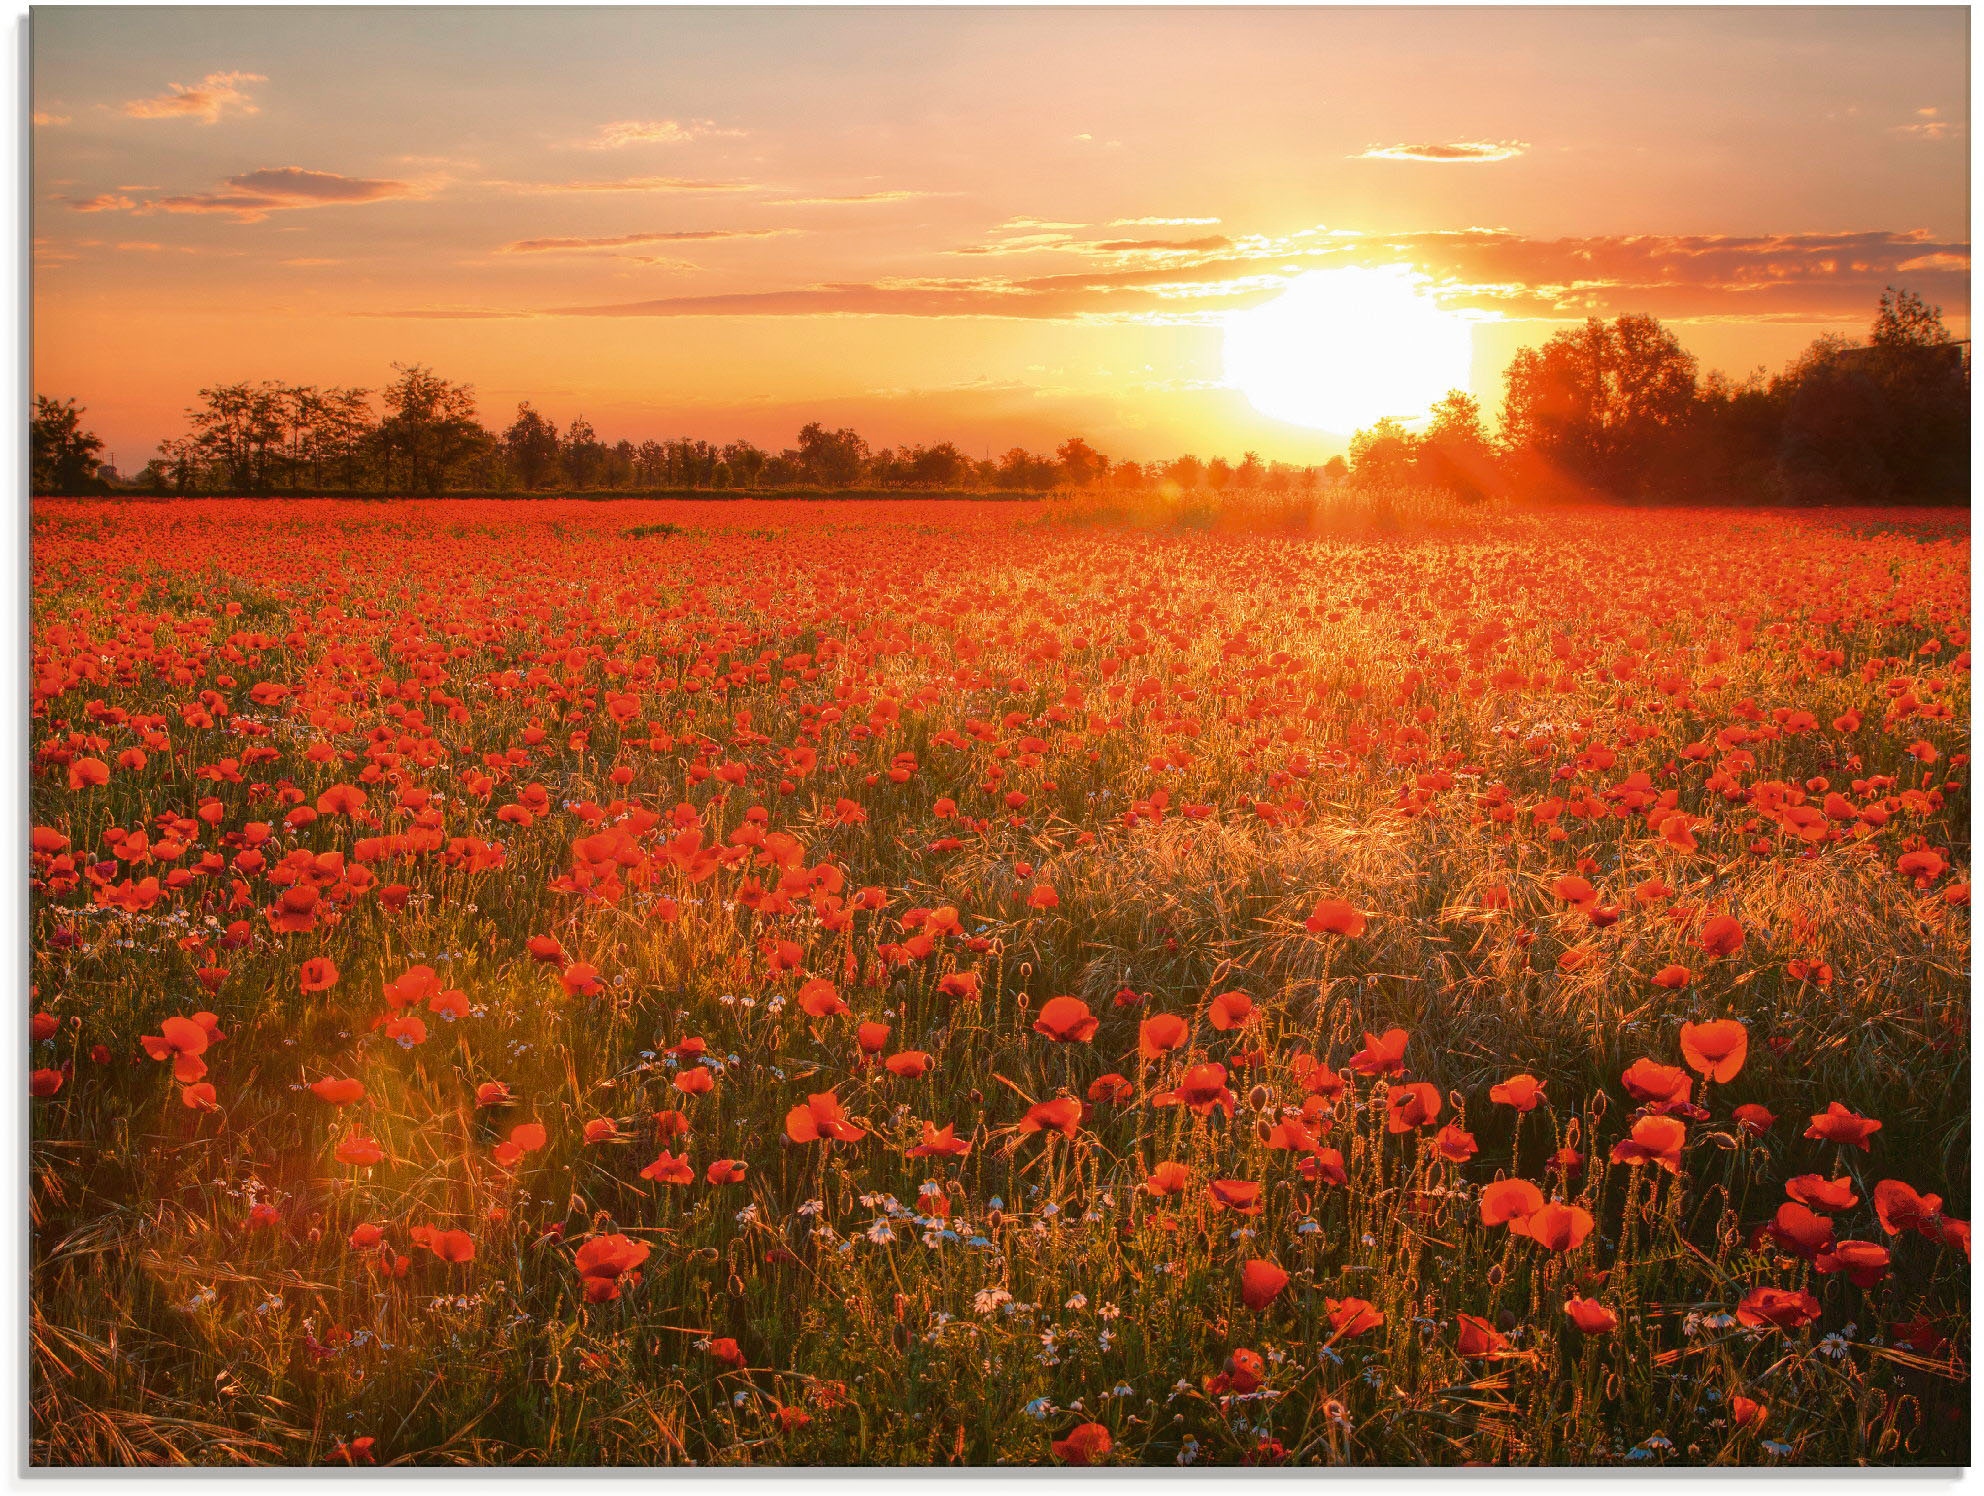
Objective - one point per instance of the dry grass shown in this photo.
(170, 1327)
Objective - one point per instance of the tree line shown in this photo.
(1621, 410)
(1610, 409)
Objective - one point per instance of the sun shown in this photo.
(1340, 349)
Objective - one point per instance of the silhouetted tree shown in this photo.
(1081, 465)
(1454, 452)
(64, 454)
(1595, 401)
(832, 459)
(532, 447)
(429, 433)
(582, 452)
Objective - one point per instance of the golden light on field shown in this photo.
(1340, 349)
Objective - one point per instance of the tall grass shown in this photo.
(1324, 752)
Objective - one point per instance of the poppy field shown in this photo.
(784, 983)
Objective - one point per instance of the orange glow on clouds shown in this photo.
(951, 224)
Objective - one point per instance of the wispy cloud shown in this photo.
(1061, 243)
(215, 95)
(623, 241)
(1158, 246)
(891, 195)
(1784, 277)
(625, 132)
(1160, 223)
(628, 184)
(1450, 152)
(44, 119)
(1928, 124)
(254, 195)
(103, 202)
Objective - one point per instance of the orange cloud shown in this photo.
(1455, 151)
(892, 195)
(629, 184)
(626, 132)
(254, 195)
(213, 96)
(623, 241)
(1788, 277)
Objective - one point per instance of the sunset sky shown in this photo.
(993, 226)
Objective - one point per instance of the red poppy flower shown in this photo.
(1591, 1316)
(1334, 917)
(939, 1142)
(1230, 1010)
(1168, 1179)
(1721, 936)
(1086, 1444)
(1645, 1080)
(1410, 1106)
(604, 1262)
(1654, 1140)
(1755, 1120)
(1838, 1125)
(819, 998)
(822, 1118)
(1717, 1049)
(1350, 1317)
(1202, 1087)
(1782, 1308)
(1823, 1194)
(1555, 1226)
(318, 974)
(1241, 1196)
(1479, 1340)
(1261, 1282)
(1382, 1054)
(1522, 1092)
(1063, 1115)
(1066, 1020)
(668, 1169)
(1160, 1034)
(1455, 1144)
(1509, 1200)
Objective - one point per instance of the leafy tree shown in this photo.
(746, 463)
(532, 446)
(1454, 453)
(832, 459)
(1184, 472)
(1595, 401)
(64, 454)
(1381, 454)
(1905, 320)
(429, 434)
(584, 453)
(1081, 464)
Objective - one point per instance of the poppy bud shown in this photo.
(1495, 1276)
(1263, 1129)
(1259, 1097)
(994, 1219)
(1505, 1321)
